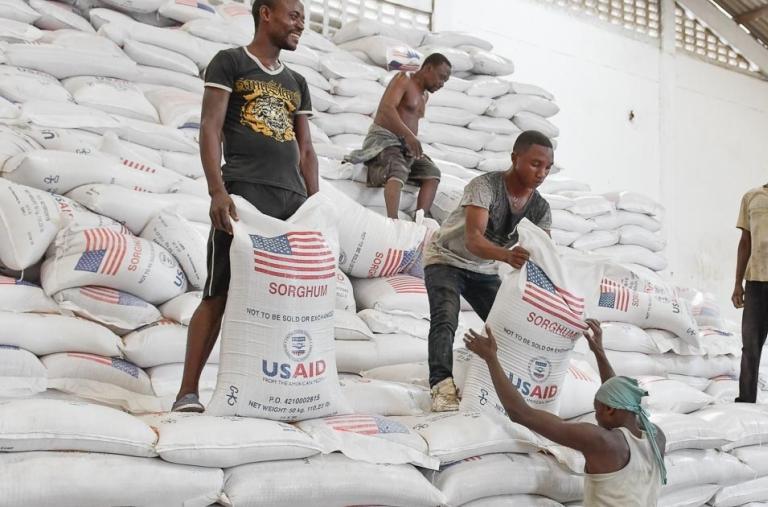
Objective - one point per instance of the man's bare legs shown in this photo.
(427, 193)
(201, 337)
(392, 190)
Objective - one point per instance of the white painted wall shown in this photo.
(714, 132)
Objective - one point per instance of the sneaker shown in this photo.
(188, 403)
(445, 397)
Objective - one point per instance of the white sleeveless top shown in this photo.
(635, 485)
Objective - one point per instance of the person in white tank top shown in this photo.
(624, 451)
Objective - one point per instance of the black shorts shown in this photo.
(273, 201)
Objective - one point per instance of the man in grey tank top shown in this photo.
(623, 452)
(461, 259)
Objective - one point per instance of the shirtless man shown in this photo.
(391, 151)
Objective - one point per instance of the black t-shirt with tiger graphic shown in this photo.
(259, 139)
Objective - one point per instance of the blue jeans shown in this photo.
(444, 286)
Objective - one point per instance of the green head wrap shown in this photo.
(623, 393)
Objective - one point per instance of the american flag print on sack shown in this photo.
(300, 255)
(105, 250)
(613, 295)
(551, 299)
(365, 424)
(406, 284)
(396, 261)
(112, 296)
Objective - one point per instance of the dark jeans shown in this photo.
(754, 328)
(444, 286)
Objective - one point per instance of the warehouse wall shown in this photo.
(697, 155)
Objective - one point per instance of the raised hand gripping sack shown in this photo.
(277, 349)
(537, 317)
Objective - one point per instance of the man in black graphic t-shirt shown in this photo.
(258, 109)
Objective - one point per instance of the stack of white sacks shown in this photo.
(102, 239)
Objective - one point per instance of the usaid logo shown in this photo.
(166, 260)
(297, 345)
(342, 257)
(539, 368)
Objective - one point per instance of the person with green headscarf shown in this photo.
(623, 452)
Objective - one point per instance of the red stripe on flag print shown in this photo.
(579, 374)
(111, 241)
(391, 262)
(549, 303)
(138, 166)
(363, 424)
(299, 255)
(404, 284)
(622, 294)
(91, 357)
(4, 280)
(103, 294)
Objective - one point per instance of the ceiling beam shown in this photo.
(752, 15)
(729, 31)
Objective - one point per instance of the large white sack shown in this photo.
(19, 84)
(108, 380)
(383, 350)
(15, 32)
(154, 56)
(564, 238)
(453, 136)
(58, 16)
(162, 342)
(44, 334)
(461, 61)
(567, 221)
(17, 10)
(587, 205)
(689, 497)
(62, 62)
(313, 77)
(451, 98)
(207, 441)
(629, 338)
(351, 141)
(688, 432)
(321, 100)
(755, 457)
(596, 239)
(61, 171)
(635, 202)
(115, 309)
(634, 254)
(388, 323)
(516, 500)
(344, 123)
(289, 372)
(399, 294)
(462, 156)
(636, 235)
(284, 484)
(743, 424)
(151, 135)
(620, 218)
(539, 308)
(376, 47)
(111, 95)
(371, 396)
(139, 155)
(166, 380)
(363, 104)
(692, 467)
(532, 121)
(58, 425)
(391, 250)
(134, 208)
(181, 308)
(74, 479)
(557, 184)
(179, 237)
(343, 66)
(456, 436)
(30, 221)
(484, 86)
(666, 395)
(181, 11)
(417, 373)
(78, 40)
(218, 30)
(748, 493)
(478, 477)
(453, 39)
(18, 295)
(348, 326)
(370, 438)
(494, 125)
(510, 105)
(74, 213)
(487, 63)
(579, 388)
(345, 295)
(8, 110)
(21, 373)
(449, 115)
(14, 141)
(177, 108)
(618, 303)
(46, 113)
(186, 164)
(494, 164)
(365, 27)
(724, 389)
(699, 366)
(64, 139)
(530, 89)
(104, 257)
(165, 77)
